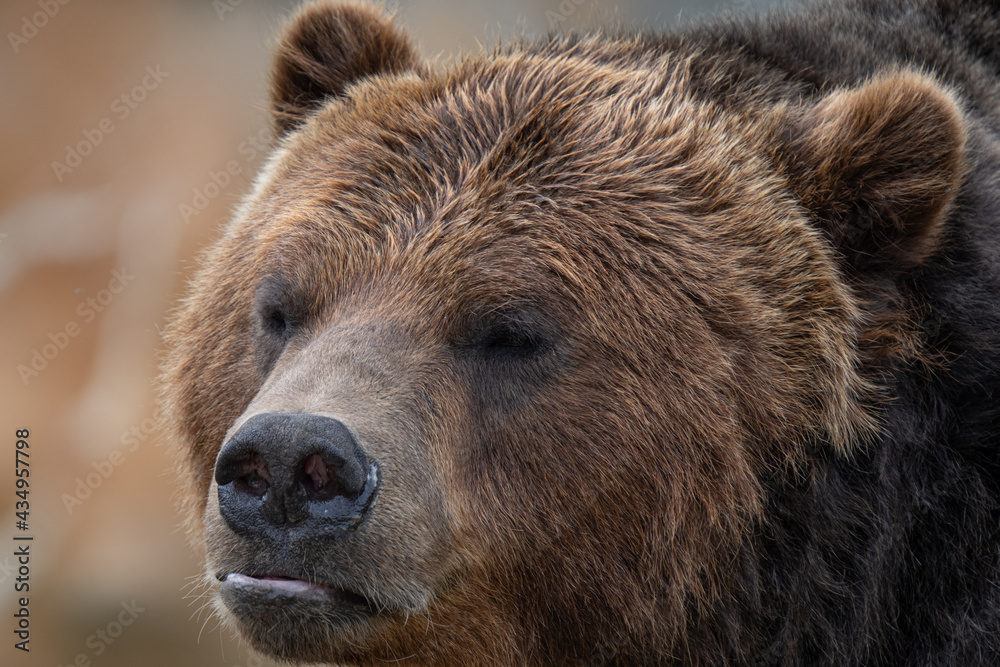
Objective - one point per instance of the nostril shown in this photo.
(247, 474)
(254, 477)
(253, 484)
(314, 476)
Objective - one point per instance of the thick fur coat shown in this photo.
(662, 349)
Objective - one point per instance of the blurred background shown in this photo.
(129, 132)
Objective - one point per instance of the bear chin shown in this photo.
(292, 618)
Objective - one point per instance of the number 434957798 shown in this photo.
(21, 471)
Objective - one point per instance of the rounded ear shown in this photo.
(326, 48)
(879, 164)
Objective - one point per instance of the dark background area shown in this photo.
(119, 122)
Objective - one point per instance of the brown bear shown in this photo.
(634, 349)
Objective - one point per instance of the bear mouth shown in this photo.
(241, 590)
(293, 618)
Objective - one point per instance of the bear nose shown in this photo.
(283, 470)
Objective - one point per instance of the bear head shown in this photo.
(497, 363)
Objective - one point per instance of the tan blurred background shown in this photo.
(119, 120)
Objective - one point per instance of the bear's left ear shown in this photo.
(879, 165)
(324, 49)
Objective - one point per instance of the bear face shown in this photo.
(502, 364)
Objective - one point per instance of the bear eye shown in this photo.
(509, 340)
(277, 315)
(275, 321)
(512, 337)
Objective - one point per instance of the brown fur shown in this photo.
(689, 266)
(893, 146)
(327, 48)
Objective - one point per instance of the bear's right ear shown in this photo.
(324, 49)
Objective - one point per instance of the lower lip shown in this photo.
(277, 588)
